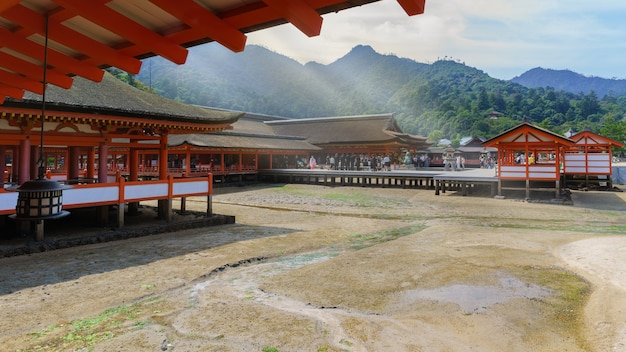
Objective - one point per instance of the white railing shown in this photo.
(530, 172)
(87, 195)
(591, 163)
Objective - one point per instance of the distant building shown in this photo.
(471, 148)
(494, 115)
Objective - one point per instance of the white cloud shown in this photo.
(502, 37)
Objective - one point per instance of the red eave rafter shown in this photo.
(6, 91)
(299, 13)
(413, 7)
(32, 71)
(60, 62)
(99, 13)
(198, 25)
(202, 21)
(34, 22)
(21, 82)
(7, 4)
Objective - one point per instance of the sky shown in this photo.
(503, 38)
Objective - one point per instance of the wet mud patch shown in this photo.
(478, 298)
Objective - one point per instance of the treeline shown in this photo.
(457, 100)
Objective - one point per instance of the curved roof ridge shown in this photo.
(332, 118)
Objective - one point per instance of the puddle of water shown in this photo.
(301, 260)
(292, 262)
(476, 299)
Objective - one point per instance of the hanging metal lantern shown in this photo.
(40, 199)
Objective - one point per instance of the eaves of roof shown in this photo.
(526, 125)
(116, 98)
(241, 141)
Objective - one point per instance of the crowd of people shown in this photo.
(387, 162)
(486, 161)
(371, 162)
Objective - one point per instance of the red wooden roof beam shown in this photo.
(6, 91)
(33, 71)
(21, 82)
(202, 21)
(413, 7)
(7, 4)
(61, 62)
(100, 53)
(97, 12)
(299, 13)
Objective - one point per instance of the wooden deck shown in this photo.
(465, 180)
(430, 178)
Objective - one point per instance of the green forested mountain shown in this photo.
(446, 98)
(571, 82)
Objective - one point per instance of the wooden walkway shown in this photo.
(431, 178)
(465, 180)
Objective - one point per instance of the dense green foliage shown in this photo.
(457, 99)
(445, 98)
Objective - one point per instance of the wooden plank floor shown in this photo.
(429, 178)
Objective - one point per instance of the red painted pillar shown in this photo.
(163, 158)
(165, 205)
(34, 164)
(24, 162)
(15, 163)
(187, 170)
(103, 156)
(72, 163)
(133, 167)
(91, 163)
(3, 161)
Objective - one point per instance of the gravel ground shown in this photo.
(312, 268)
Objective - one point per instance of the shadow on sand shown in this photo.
(34, 270)
(599, 200)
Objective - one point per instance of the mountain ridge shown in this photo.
(446, 96)
(570, 81)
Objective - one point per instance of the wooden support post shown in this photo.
(102, 215)
(38, 225)
(133, 175)
(209, 205)
(165, 209)
(121, 207)
(183, 205)
(557, 190)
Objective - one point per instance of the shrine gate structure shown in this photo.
(529, 157)
(589, 160)
(49, 43)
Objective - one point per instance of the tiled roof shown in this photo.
(114, 97)
(346, 129)
(241, 141)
